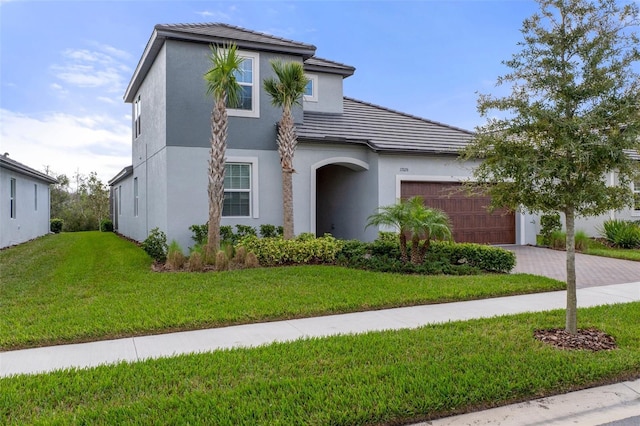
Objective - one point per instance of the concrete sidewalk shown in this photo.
(39, 360)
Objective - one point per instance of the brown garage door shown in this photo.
(471, 221)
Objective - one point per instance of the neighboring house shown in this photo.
(25, 202)
(352, 156)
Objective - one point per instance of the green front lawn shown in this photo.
(596, 248)
(87, 286)
(394, 377)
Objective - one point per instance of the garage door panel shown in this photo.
(469, 217)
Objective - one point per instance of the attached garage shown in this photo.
(469, 217)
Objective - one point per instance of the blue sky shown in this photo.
(64, 65)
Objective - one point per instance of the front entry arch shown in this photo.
(341, 191)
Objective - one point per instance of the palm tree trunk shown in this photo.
(216, 176)
(403, 247)
(286, 147)
(415, 249)
(572, 302)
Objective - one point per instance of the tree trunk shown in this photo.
(415, 250)
(286, 147)
(287, 204)
(403, 247)
(216, 177)
(572, 302)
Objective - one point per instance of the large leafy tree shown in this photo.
(422, 224)
(223, 86)
(286, 91)
(571, 119)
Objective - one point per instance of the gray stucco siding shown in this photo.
(189, 107)
(29, 222)
(329, 94)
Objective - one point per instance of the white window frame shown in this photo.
(313, 78)
(254, 112)
(136, 210)
(13, 197)
(120, 198)
(137, 111)
(254, 208)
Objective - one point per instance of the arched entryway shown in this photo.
(345, 194)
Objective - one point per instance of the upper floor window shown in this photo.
(137, 109)
(249, 80)
(237, 190)
(12, 198)
(311, 90)
(636, 196)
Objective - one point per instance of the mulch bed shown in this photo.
(589, 339)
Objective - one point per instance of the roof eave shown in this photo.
(159, 36)
(127, 171)
(344, 72)
(27, 171)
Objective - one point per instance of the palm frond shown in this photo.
(221, 77)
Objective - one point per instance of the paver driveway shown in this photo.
(591, 271)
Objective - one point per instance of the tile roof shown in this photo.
(323, 65)
(211, 33)
(382, 129)
(11, 164)
(220, 32)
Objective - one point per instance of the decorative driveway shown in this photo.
(591, 271)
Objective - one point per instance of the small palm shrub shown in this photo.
(175, 257)
(621, 233)
(56, 225)
(156, 245)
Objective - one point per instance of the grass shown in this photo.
(75, 287)
(596, 248)
(393, 377)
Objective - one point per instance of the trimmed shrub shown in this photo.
(175, 256)
(483, 257)
(244, 231)
(106, 225)
(306, 249)
(227, 235)
(549, 223)
(268, 231)
(156, 245)
(200, 233)
(56, 225)
(621, 233)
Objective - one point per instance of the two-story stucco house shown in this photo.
(352, 156)
(25, 199)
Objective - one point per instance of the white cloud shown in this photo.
(93, 69)
(214, 16)
(67, 143)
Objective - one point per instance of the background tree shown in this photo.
(223, 86)
(411, 217)
(286, 91)
(572, 115)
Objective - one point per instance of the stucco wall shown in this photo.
(189, 107)
(329, 94)
(29, 222)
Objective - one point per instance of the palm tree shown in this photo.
(413, 218)
(222, 84)
(286, 91)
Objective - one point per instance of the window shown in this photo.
(135, 197)
(137, 109)
(311, 90)
(12, 193)
(248, 79)
(120, 198)
(35, 196)
(636, 196)
(237, 190)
